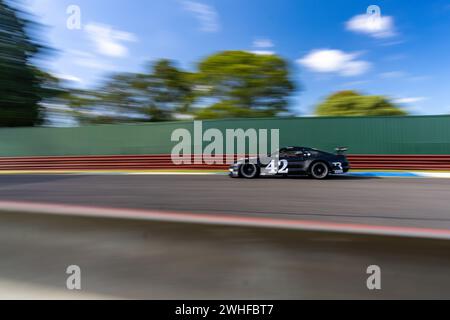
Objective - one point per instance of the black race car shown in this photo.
(293, 161)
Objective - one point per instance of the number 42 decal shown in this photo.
(282, 167)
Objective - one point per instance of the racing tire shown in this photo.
(249, 171)
(319, 171)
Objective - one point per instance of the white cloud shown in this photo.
(108, 41)
(207, 15)
(377, 27)
(263, 52)
(94, 63)
(262, 46)
(263, 43)
(89, 60)
(335, 61)
(409, 100)
(80, 53)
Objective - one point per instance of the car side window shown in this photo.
(288, 153)
(282, 153)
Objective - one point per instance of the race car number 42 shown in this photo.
(282, 167)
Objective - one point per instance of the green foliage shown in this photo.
(229, 84)
(166, 89)
(20, 82)
(154, 96)
(351, 103)
(244, 84)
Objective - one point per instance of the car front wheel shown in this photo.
(319, 171)
(249, 171)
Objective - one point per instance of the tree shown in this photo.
(351, 103)
(166, 90)
(52, 108)
(242, 84)
(233, 84)
(20, 82)
(155, 96)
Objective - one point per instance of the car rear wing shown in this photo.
(341, 150)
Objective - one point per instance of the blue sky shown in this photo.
(331, 44)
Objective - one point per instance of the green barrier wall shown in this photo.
(380, 135)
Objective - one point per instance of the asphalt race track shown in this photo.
(393, 202)
(122, 258)
(136, 259)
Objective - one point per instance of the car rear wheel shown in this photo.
(319, 171)
(249, 171)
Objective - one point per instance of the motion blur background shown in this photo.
(99, 86)
(72, 63)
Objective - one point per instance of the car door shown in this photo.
(293, 159)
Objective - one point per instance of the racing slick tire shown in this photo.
(319, 171)
(249, 171)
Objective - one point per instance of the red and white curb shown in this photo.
(226, 220)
